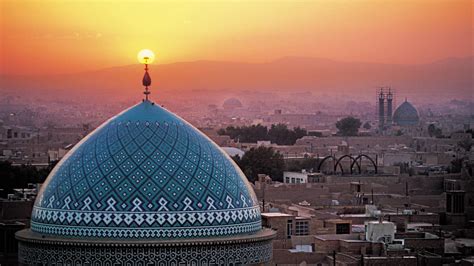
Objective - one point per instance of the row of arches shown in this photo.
(354, 161)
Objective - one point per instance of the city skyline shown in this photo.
(269, 132)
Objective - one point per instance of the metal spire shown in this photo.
(146, 82)
(146, 57)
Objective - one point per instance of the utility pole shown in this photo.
(373, 203)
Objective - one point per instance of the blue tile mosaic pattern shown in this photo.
(406, 115)
(146, 173)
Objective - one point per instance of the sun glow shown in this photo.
(59, 37)
(146, 56)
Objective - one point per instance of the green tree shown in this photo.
(279, 134)
(262, 160)
(433, 131)
(456, 165)
(299, 164)
(466, 144)
(19, 176)
(367, 125)
(348, 126)
(250, 134)
(470, 131)
(299, 132)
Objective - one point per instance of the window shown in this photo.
(448, 203)
(302, 228)
(289, 228)
(458, 203)
(343, 229)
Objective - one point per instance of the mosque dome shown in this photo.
(146, 174)
(145, 188)
(406, 115)
(232, 103)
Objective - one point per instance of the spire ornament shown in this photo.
(146, 57)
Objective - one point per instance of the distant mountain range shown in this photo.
(452, 77)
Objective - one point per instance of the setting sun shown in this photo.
(146, 56)
(276, 132)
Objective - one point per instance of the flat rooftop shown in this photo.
(415, 225)
(467, 242)
(358, 215)
(339, 237)
(275, 214)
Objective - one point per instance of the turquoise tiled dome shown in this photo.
(146, 173)
(406, 115)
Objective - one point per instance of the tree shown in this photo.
(20, 176)
(250, 134)
(279, 134)
(300, 164)
(470, 131)
(466, 144)
(456, 165)
(299, 132)
(367, 125)
(262, 160)
(433, 131)
(348, 126)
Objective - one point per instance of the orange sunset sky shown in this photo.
(48, 37)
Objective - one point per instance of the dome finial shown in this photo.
(146, 57)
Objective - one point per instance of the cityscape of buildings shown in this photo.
(400, 191)
(323, 133)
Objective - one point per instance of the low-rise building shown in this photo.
(302, 177)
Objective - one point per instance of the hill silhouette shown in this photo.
(447, 77)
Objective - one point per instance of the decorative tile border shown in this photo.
(145, 219)
(229, 254)
(136, 233)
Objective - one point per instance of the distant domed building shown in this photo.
(145, 188)
(406, 115)
(231, 104)
(232, 151)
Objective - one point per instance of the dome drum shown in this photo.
(37, 249)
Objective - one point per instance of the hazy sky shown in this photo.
(68, 36)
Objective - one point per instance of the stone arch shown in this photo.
(360, 158)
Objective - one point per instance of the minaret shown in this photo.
(381, 97)
(389, 106)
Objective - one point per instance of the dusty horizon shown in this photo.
(282, 58)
